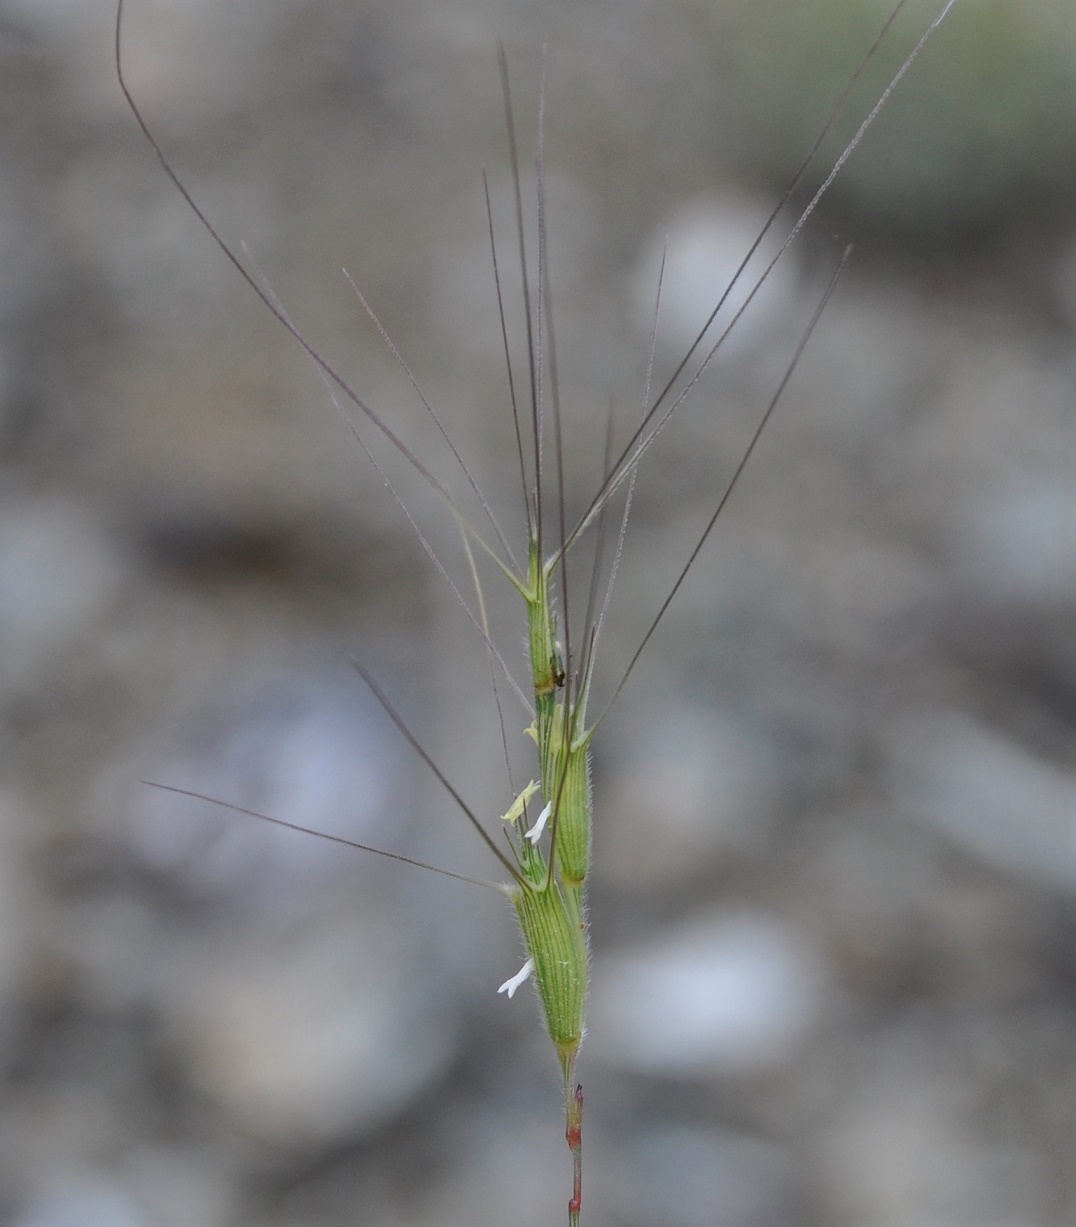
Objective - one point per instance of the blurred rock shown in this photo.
(59, 575)
(20, 918)
(988, 794)
(86, 1200)
(298, 1003)
(310, 1039)
(704, 243)
(306, 749)
(693, 785)
(907, 1147)
(724, 994)
(1020, 545)
(683, 1177)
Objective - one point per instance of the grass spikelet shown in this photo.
(547, 830)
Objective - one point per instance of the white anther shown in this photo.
(510, 986)
(535, 833)
(518, 806)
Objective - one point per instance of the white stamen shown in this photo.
(510, 986)
(535, 833)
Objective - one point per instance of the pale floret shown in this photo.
(535, 833)
(510, 986)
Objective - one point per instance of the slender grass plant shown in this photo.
(544, 844)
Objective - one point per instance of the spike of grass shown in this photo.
(549, 856)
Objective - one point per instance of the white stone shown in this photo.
(707, 239)
(725, 993)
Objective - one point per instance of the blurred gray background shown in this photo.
(834, 897)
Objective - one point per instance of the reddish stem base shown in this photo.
(573, 1134)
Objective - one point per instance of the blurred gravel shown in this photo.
(834, 904)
